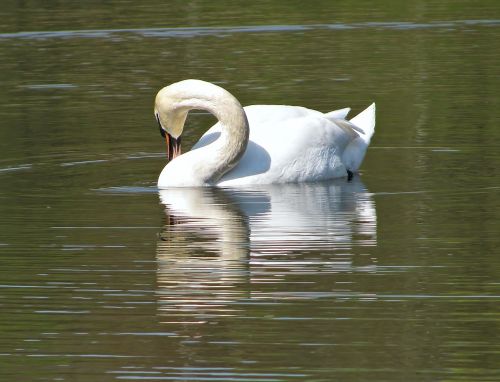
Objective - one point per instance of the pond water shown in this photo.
(392, 276)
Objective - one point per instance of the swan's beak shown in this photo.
(173, 146)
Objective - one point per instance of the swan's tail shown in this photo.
(366, 121)
(355, 151)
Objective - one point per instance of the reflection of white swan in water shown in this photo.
(208, 213)
(216, 239)
(259, 144)
(275, 218)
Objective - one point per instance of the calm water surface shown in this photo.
(393, 276)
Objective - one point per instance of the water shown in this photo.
(393, 276)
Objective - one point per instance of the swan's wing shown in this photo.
(363, 123)
(276, 115)
(282, 126)
(282, 114)
(338, 114)
(291, 144)
(270, 116)
(366, 121)
(210, 136)
(347, 126)
(354, 153)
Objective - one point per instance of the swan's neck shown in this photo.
(222, 155)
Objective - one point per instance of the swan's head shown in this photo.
(171, 116)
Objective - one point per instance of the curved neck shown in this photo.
(227, 150)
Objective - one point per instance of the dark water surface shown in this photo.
(394, 276)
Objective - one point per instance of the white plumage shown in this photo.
(259, 144)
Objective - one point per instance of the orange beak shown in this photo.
(173, 146)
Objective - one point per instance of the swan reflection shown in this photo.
(218, 244)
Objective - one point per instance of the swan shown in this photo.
(258, 144)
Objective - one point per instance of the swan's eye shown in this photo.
(162, 131)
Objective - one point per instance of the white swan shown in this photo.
(259, 144)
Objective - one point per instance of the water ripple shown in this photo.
(190, 32)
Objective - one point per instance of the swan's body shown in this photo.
(260, 144)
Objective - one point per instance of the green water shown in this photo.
(393, 276)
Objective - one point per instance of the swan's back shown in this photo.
(296, 144)
(289, 144)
